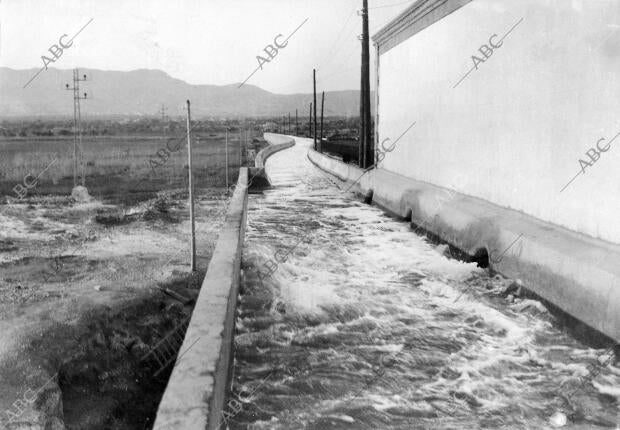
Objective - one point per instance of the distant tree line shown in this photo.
(339, 126)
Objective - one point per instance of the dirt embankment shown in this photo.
(90, 297)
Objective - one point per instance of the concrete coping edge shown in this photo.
(195, 396)
(577, 273)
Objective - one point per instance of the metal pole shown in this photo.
(314, 85)
(75, 129)
(80, 134)
(226, 146)
(78, 148)
(191, 190)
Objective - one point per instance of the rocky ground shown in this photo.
(87, 290)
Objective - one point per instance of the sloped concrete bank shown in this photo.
(258, 175)
(277, 142)
(195, 394)
(574, 272)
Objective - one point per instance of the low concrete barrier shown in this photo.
(258, 176)
(577, 273)
(196, 392)
(277, 142)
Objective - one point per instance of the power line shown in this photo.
(341, 71)
(327, 63)
(77, 126)
(340, 33)
(343, 63)
(392, 5)
(331, 59)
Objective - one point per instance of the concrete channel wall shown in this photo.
(575, 272)
(258, 176)
(196, 393)
(277, 142)
(197, 389)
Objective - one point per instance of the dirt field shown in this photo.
(119, 166)
(88, 289)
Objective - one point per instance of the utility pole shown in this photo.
(226, 146)
(240, 144)
(77, 126)
(191, 189)
(321, 135)
(289, 123)
(296, 124)
(310, 121)
(365, 150)
(314, 85)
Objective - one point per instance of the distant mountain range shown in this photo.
(143, 92)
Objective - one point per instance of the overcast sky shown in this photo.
(198, 41)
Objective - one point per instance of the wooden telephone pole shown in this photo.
(296, 124)
(314, 85)
(226, 158)
(365, 142)
(310, 121)
(321, 135)
(191, 189)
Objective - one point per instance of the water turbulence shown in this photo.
(348, 319)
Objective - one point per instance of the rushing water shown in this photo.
(367, 325)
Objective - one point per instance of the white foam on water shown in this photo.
(384, 402)
(499, 354)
